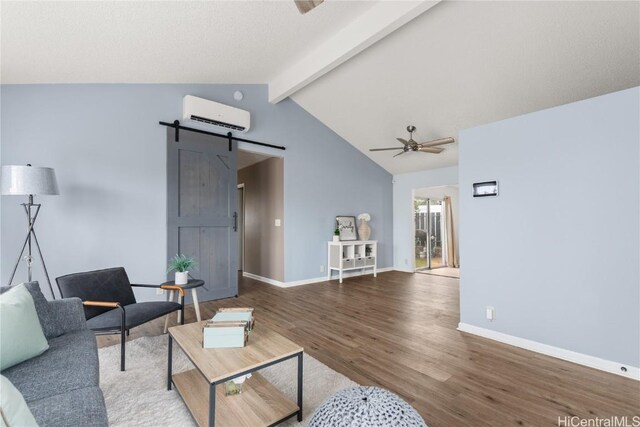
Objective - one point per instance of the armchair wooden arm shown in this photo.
(109, 304)
(174, 288)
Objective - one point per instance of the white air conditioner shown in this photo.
(204, 114)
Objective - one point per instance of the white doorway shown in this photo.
(435, 230)
(261, 215)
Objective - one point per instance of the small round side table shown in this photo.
(193, 285)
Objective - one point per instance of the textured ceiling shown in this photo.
(161, 42)
(463, 64)
(458, 65)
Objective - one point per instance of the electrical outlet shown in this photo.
(278, 222)
(491, 313)
(322, 269)
(159, 291)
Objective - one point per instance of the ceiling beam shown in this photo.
(376, 23)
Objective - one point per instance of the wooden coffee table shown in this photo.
(202, 388)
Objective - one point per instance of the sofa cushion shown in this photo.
(70, 363)
(13, 409)
(51, 325)
(136, 314)
(21, 336)
(83, 407)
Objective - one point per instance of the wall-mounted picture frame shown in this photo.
(347, 226)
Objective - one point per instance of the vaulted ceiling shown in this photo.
(161, 41)
(365, 69)
(463, 64)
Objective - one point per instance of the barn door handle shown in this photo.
(235, 221)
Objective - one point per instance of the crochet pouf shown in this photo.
(365, 407)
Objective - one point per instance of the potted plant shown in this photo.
(181, 264)
(336, 235)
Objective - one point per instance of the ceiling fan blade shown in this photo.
(305, 6)
(402, 152)
(385, 149)
(405, 142)
(440, 141)
(434, 150)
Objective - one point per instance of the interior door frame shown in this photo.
(242, 235)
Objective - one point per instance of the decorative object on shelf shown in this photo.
(347, 227)
(336, 235)
(364, 231)
(181, 265)
(234, 386)
(29, 181)
(366, 406)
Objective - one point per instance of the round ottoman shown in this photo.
(366, 407)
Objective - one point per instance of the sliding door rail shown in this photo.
(177, 126)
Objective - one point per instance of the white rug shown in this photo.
(139, 396)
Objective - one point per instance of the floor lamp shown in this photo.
(29, 181)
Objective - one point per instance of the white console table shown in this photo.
(352, 255)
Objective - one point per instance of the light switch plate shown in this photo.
(278, 222)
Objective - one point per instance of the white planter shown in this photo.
(336, 238)
(182, 277)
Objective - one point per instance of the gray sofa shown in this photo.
(61, 386)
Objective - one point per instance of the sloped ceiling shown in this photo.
(161, 41)
(457, 65)
(463, 64)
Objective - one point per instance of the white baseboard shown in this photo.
(632, 372)
(308, 281)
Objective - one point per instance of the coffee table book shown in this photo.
(202, 388)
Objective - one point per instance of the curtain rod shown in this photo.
(176, 125)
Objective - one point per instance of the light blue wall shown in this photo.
(403, 229)
(557, 252)
(109, 153)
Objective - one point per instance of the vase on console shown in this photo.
(364, 231)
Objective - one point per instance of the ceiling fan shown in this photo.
(411, 145)
(305, 6)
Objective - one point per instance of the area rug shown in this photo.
(139, 396)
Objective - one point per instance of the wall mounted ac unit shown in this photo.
(205, 114)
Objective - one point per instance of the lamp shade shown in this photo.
(27, 180)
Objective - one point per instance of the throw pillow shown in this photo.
(14, 411)
(21, 336)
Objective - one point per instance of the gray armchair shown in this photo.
(110, 306)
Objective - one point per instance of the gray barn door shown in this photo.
(201, 204)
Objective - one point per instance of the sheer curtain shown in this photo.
(452, 259)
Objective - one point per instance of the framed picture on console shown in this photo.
(347, 227)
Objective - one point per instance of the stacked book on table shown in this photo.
(229, 328)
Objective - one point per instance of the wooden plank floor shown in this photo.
(398, 331)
